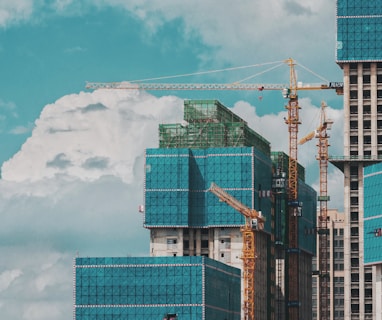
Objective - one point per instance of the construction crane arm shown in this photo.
(237, 205)
(206, 86)
(324, 124)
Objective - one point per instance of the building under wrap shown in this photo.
(359, 55)
(214, 145)
(372, 214)
(152, 287)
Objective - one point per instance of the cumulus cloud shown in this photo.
(88, 135)
(74, 188)
(14, 11)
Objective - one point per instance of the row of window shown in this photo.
(366, 109)
(365, 79)
(366, 140)
(365, 65)
(366, 124)
(366, 94)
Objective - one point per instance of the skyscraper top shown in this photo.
(359, 31)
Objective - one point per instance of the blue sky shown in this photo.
(73, 159)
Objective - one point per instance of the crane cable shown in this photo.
(205, 72)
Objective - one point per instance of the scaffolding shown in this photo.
(209, 124)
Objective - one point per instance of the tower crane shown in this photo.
(321, 133)
(289, 91)
(253, 221)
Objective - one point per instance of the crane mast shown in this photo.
(290, 91)
(294, 209)
(253, 221)
(323, 232)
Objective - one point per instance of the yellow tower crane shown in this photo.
(253, 221)
(321, 133)
(290, 91)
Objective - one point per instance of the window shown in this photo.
(172, 243)
(338, 266)
(354, 231)
(339, 290)
(353, 94)
(367, 109)
(353, 125)
(355, 277)
(353, 171)
(204, 231)
(354, 185)
(354, 216)
(354, 109)
(204, 244)
(339, 279)
(379, 93)
(355, 293)
(366, 78)
(367, 139)
(354, 140)
(353, 79)
(366, 94)
(354, 246)
(354, 201)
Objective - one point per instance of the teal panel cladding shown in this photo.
(373, 214)
(176, 185)
(359, 30)
(307, 223)
(149, 288)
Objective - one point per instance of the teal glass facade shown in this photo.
(149, 287)
(359, 30)
(307, 222)
(373, 214)
(177, 182)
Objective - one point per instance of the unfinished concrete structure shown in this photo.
(335, 226)
(214, 145)
(359, 54)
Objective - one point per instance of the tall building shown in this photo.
(214, 145)
(359, 54)
(335, 296)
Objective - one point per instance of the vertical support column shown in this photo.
(293, 212)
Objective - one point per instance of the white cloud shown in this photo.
(13, 11)
(75, 187)
(7, 277)
(249, 31)
(88, 135)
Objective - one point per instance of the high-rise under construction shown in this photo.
(359, 54)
